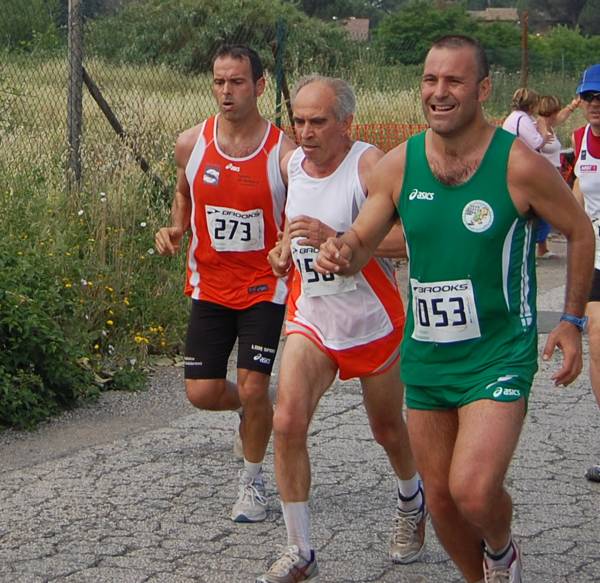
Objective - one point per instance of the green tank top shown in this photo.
(472, 286)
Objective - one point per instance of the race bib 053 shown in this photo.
(444, 311)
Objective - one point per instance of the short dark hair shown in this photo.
(458, 41)
(241, 52)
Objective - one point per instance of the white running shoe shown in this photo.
(408, 535)
(291, 567)
(251, 503)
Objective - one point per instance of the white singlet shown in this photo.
(343, 312)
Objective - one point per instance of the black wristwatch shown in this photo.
(578, 322)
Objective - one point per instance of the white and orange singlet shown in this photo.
(237, 210)
(357, 320)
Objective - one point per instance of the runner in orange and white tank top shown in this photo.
(230, 194)
(346, 317)
(237, 211)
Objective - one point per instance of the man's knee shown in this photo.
(474, 494)
(205, 393)
(439, 499)
(289, 424)
(594, 341)
(387, 431)
(253, 389)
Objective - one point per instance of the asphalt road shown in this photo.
(138, 488)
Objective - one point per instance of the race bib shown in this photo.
(316, 284)
(444, 311)
(233, 230)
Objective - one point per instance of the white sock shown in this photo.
(410, 498)
(297, 522)
(251, 469)
(499, 559)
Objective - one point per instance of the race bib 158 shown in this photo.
(316, 284)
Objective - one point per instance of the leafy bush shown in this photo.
(29, 25)
(83, 299)
(406, 35)
(185, 33)
(39, 353)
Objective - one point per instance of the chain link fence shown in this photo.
(65, 110)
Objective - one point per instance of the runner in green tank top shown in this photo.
(472, 322)
(465, 193)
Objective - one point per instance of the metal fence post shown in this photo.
(75, 95)
(279, 52)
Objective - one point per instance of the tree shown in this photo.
(185, 33)
(90, 9)
(554, 11)
(327, 9)
(589, 19)
(26, 25)
(406, 35)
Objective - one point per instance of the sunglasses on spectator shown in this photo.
(589, 96)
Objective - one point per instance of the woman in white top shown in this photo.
(521, 121)
(550, 115)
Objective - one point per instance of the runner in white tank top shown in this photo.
(586, 142)
(346, 326)
(318, 303)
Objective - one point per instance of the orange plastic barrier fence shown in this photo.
(384, 135)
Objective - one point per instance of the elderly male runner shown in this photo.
(231, 195)
(466, 193)
(586, 143)
(346, 325)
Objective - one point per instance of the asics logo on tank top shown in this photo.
(232, 167)
(420, 195)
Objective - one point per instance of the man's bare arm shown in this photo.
(535, 185)
(168, 239)
(393, 245)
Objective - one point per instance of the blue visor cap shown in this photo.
(590, 80)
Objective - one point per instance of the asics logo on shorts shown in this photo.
(420, 195)
(262, 359)
(506, 392)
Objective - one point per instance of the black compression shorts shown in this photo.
(213, 330)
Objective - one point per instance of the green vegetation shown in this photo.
(405, 36)
(185, 33)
